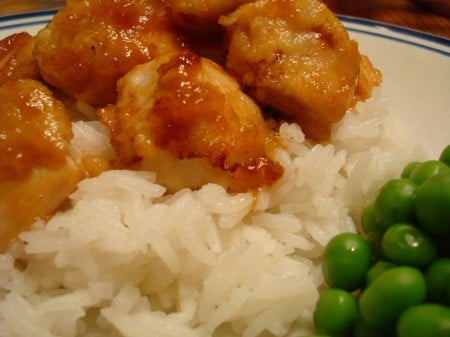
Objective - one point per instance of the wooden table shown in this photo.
(430, 16)
(434, 18)
(18, 6)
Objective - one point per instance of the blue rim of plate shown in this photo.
(434, 43)
(412, 37)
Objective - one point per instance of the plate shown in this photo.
(415, 67)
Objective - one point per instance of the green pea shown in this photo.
(426, 170)
(336, 312)
(368, 222)
(398, 288)
(432, 204)
(425, 320)
(405, 244)
(395, 203)
(408, 169)
(437, 277)
(345, 261)
(377, 269)
(445, 155)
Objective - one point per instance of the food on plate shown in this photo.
(345, 262)
(35, 128)
(396, 246)
(16, 57)
(336, 313)
(437, 275)
(409, 274)
(186, 107)
(90, 44)
(39, 164)
(424, 320)
(401, 286)
(161, 194)
(369, 77)
(36, 173)
(296, 57)
(395, 203)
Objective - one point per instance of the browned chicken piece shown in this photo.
(294, 56)
(185, 118)
(200, 16)
(35, 172)
(90, 44)
(369, 77)
(16, 58)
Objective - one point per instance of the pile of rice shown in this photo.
(127, 260)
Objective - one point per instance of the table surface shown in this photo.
(433, 17)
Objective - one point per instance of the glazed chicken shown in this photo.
(296, 57)
(16, 58)
(182, 116)
(36, 173)
(369, 77)
(90, 44)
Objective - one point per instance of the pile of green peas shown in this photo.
(393, 280)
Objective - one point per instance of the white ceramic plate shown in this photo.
(415, 67)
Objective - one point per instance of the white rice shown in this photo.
(126, 260)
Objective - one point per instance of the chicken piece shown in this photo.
(35, 172)
(16, 58)
(369, 77)
(34, 129)
(182, 116)
(200, 16)
(90, 44)
(296, 57)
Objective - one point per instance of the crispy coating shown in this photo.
(369, 77)
(90, 44)
(186, 107)
(35, 174)
(34, 129)
(16, 58)
(294, 56)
